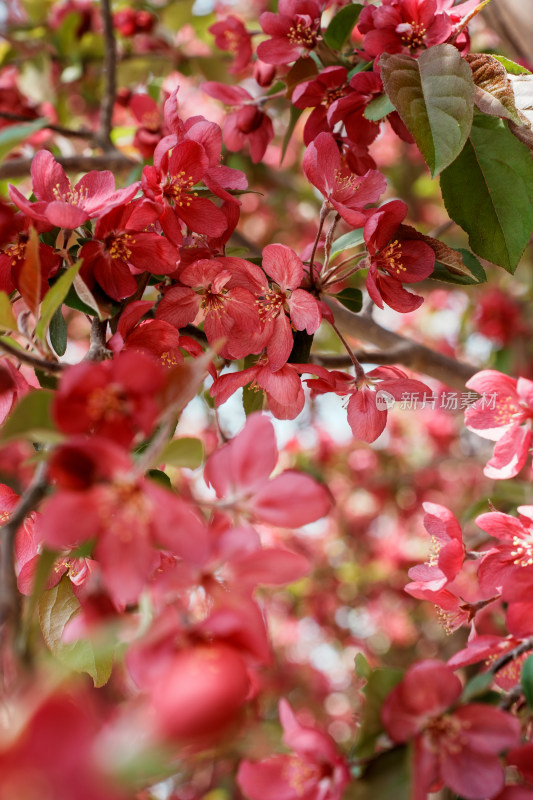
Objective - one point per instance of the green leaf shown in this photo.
(527, 680)
(87, 297)
(57, 607)
(184, 452)
(511, 67)
(159, 477)
(58, 333)
(351, 239)
(7, 318)
(341, 26)
(12, 135)
(44, 567)
(378, 108)
(54, 299)
(351, 298)
(434, 95)
(31, 419)
(362, 667)
(386, 777)
(488, 191)
(295, 114)
(380, 683)
(442, 271)
(477, 687)
(252, 399)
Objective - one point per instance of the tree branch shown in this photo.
(411, 354)
(506, 658)
(82, 133)
(9, 594)
(110, 75)
(113, 160)
(32, 361)
(98, 350)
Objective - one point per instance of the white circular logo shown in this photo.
(384, 400)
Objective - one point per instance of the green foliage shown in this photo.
(54, 299)
(386, 777)
(379, 684)
(341, 26)
(488, 191)
(527, 680)
(351, 298)
(57, 607)
(184, 452)
(378, 108)
(352, 239)
(434, 95)
(31, 419)
(7, 318)
(442, 272)
(13, 135)
(252, 399)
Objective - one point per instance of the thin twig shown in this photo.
(98, 350)
(332, 361)
(506, 658)
(113, 160)
(329, 240)
(359, 371)
(110, 75)
(82, 133)
(32, 361)
(449, 371)
(324, 211)
(9, 594)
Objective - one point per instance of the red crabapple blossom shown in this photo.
(506, 421)
(293, 30)
(395, 258)
(343, 191)
(455, 747)
(315, 770)
(59, 203)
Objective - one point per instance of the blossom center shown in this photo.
(346, 182)
(298, 773)
(300, 33)
(106, 403)
(523, 554)
(15, 252)
(178, 187)
(271, 305)
(214, 302)
(390, 259)
(74, 197)
(412, 33)
(331, 96)
(447, 733)
(118, 246)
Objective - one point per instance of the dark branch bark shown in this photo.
(110, 76)
(506, 658)
(82, 133)
(113, 160)
(31, 360)
(410, 354)
(98, 350)
(9, 594)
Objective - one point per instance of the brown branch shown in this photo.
(32, 361)
(9, 594)
(82, 133)
(110, 75)
(113, 160)
(98, 350)
(506, 658)
(411, 354)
